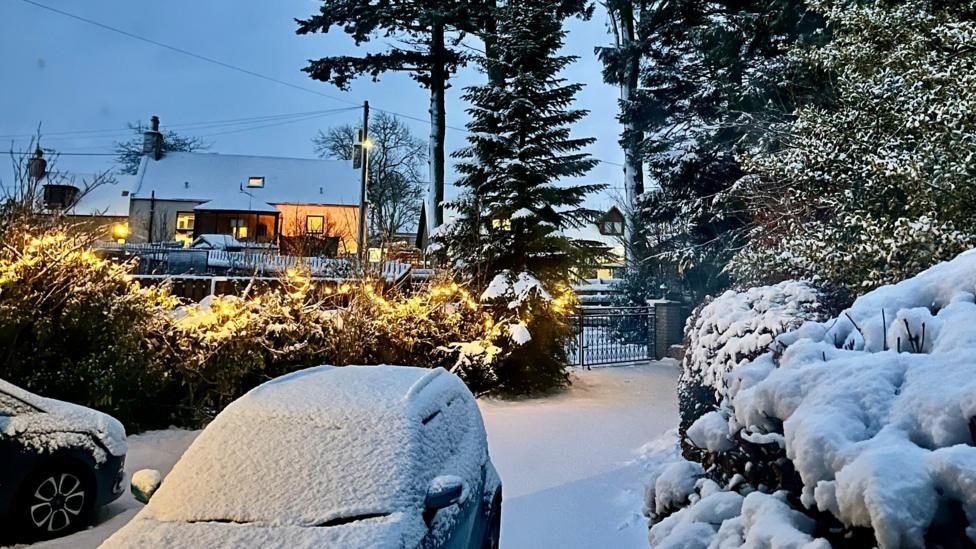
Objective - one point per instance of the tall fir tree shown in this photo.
(517, 195)
(515, 201)
(710, 70)
(423, 38)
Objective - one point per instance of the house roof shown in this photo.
(237, 201)
(104, 199)
(207, 176)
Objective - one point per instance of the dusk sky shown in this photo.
(72, 76)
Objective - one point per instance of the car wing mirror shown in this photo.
(444, 491)
(144, 484)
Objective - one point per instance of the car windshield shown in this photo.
(290, 469)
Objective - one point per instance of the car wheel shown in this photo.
(494, 525)
(54, 502)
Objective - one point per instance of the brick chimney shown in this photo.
(152, 141)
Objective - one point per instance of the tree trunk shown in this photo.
(435, 190)
(624, 24)
(491, 40)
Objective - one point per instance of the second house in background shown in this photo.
(305, 206)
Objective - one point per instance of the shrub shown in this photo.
(73, 326)
(733, 329)
(438, 325)
(861, 426)
(535, 320)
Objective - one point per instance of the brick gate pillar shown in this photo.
(669, 324)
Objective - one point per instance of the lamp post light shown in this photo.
(364, 145)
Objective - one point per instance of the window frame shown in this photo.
(321, 219)
(192, 216)
(251, 179)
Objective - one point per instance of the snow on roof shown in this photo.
(350, 446)
(104, 199)
(239, 201)
(206, 176)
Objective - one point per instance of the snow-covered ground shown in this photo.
(153, 450)
(569, 463)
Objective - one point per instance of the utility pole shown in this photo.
(364, 165)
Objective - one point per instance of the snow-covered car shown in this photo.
(357, 456)
(58, 463)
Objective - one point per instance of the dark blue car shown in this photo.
(380, 457)
(60, 462)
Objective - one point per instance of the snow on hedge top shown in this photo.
(321, 447)
(736, 326)
(880, 438)
(47, 425)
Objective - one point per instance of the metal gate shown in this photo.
(611, 335)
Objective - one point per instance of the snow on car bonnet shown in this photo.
(308, 449)
(48, 425)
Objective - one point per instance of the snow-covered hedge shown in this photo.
(731, 330)
(74, 326)
(737, 326)
(876, 412)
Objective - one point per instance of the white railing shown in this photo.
(275, 263)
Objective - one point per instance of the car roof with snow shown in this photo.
(361, 389)
(325, 450)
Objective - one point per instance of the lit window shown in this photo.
(184, 221)
(503, 224)
(238, 229)
(253, 182)
(314, 224)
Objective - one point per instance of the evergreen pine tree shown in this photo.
(873, 187)
(515, 200)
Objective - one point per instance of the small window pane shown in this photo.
(315, 224)
(255, 181)
(184, 221)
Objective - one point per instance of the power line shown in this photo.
(187, 52)
(59, 153)
(239, 69)
(110, 132)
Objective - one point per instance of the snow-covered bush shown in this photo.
(538, 363)
(75, 327)
(732, 329)
(438, 325)
(874, 410)
(220, 348)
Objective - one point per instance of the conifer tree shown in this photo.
(515, 201)
(709, 72)
(517, 198)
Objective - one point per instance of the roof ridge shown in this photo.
(238, 155)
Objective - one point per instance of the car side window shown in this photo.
(445, 428)
(10, 406)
